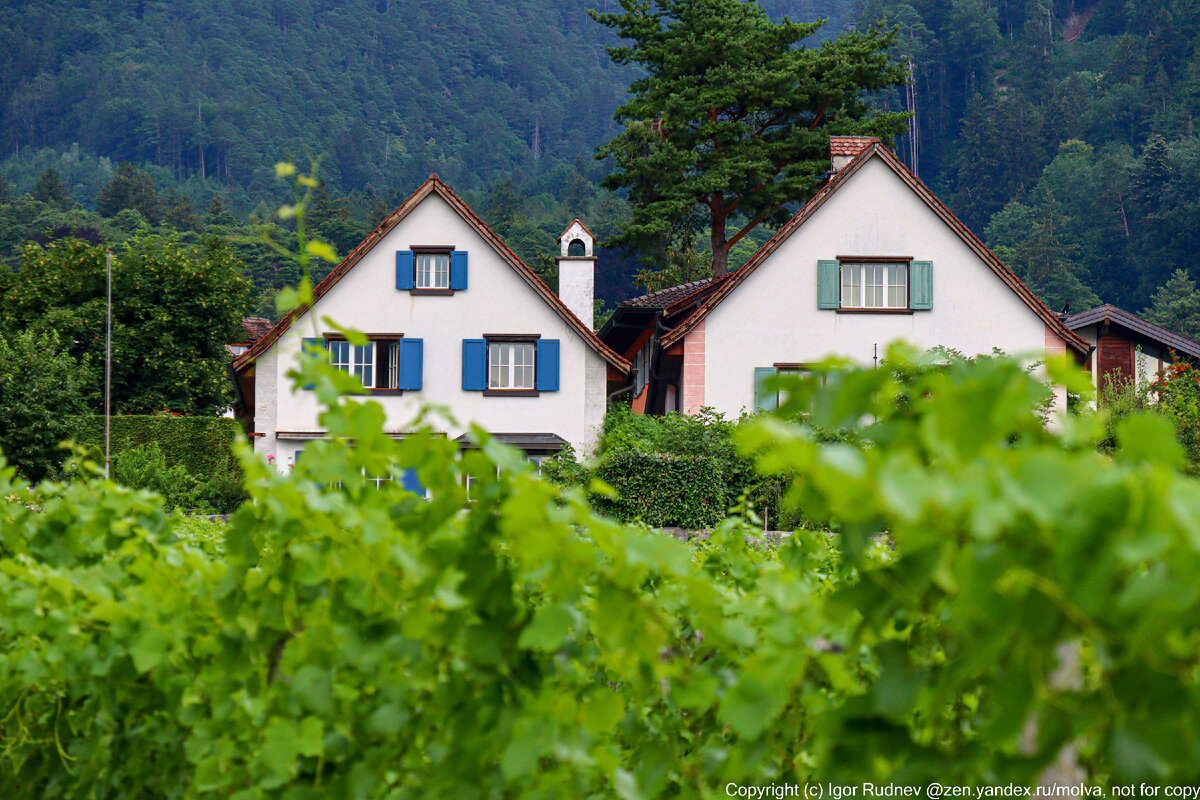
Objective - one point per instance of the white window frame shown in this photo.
(361, 361)
(505, 372)
(432, 270)
(874, 285)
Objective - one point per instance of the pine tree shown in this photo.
(181, 212)
(217, 213)
(130, 188)
(51, 190)
(734, 113)
(5, 191)
(1176, 306)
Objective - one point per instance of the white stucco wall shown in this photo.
(773, 316)
(496, 301)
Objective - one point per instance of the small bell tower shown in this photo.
(577, 271)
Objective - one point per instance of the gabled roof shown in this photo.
(665, 297)
(1132, 322)
(435, 185)
(572, 222)
(876, 150)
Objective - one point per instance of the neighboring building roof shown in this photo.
(876, 149)
(435, 185)
(850, 145)
(1114, 315)
(256, 328)
(665, 297)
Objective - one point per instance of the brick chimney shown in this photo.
(842, 149)
(577, 271)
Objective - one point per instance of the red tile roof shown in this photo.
(435, 185)
(256, 328)
(665, 297)
(735, 278)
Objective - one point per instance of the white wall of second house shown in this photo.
(497, 301)
(773, 316)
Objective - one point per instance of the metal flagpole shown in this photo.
(108, 367)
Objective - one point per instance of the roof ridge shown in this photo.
(435, 184)
(926, 195)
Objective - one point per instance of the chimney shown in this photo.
(577, 271)
(843, 149)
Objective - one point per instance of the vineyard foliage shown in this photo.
(359, 642)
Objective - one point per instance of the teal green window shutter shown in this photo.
(829, 288)
(764, 399)
(920, 289)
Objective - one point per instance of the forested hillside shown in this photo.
(1060, 130)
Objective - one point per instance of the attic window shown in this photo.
(576, 248)
(433, 270)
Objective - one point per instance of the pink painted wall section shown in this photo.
(1056, 346)
(693, 371)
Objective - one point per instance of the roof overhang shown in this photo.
(435, 185)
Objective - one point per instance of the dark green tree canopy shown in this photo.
(130, 188)
(41, 397)
(1176, 306)
(51, 190)
(174, 310)
(733, 114)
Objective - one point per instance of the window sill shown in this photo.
(875, 311)
(386, 391)
(511, 393)
(433, 292)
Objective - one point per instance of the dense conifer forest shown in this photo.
(1061, 131)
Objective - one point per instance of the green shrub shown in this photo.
(706, 440)
(201, 445)
(663, 489)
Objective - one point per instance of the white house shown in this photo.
(874, 257)
(453, 317)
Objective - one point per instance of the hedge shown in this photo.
(663, 490)
(202, 445)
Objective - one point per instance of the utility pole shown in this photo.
(108, 365)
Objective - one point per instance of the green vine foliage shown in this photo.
(354, 641)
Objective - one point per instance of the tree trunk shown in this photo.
(720, 247)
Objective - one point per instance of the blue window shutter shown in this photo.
(920, 286)
(474, 365)
(307, 344)
(829, 284)
(764, 399)
(458, 270)
(547, 365)
(405, 270)
(410, 481)
(411, 364)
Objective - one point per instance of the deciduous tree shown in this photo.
(174, 310)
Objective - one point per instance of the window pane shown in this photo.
(433, 271)
(364, 363)
(339, 355)
(898, 286)
(852, 285)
